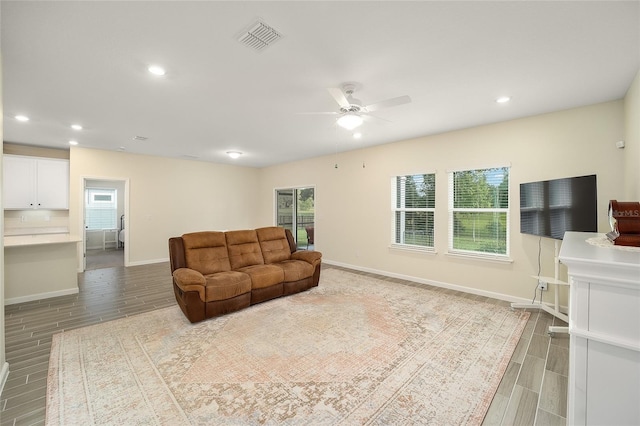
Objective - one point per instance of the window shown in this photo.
(479, 211)
(414, 199)
(101, 208)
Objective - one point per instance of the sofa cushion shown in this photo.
(206, 252)
(225, 285)
(274, 244)
(295, 270)
(264, 275)
(244, 249)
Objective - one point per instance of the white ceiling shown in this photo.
(86, 62)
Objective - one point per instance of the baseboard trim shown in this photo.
(147, 262)
(491, 294)
(40, 296)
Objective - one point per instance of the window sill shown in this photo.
(481, 257)
(412, 249)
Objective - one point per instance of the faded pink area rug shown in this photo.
(355, 350)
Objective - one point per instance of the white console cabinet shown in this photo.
(35, 183)
(604, 328)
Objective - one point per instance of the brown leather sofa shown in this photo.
(215, 273)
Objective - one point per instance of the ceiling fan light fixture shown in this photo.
(350, 121)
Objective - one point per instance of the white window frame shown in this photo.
(452, 210)
(395, 209)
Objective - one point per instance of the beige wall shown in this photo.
(353, 216)
(167, 197)
(632, 141)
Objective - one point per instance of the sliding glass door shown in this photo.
(295, 211)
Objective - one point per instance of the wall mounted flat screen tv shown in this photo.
(550, 208)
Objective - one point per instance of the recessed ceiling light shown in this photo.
(357, 135)
(22, 118)
(73, 142)
(156, 70)
(234, 154)
(503, 99)
(140, 138)
(76, 127)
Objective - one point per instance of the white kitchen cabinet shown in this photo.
(604, 328)
(35, 183)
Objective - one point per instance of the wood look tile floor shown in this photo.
(533, 390)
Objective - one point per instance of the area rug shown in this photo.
(355, 350)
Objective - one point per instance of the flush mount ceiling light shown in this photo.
(76, 127)
(22, 118)
(357, 135)
(156, 70)
(234, 154)
(73, 143)
(503, 99)
(350, 121)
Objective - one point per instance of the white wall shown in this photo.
(632, 141)
(167, 197)
(353, 216)
(4, 367)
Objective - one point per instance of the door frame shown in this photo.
(84, 179)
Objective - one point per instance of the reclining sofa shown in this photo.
(215, 273)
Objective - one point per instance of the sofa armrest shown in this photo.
(312, 257)
(190, 280)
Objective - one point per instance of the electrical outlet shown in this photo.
(542, 286)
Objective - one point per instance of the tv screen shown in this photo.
(550, 208)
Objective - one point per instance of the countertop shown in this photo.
(39, 239)
(590, 254)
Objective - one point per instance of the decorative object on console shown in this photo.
(624, 218)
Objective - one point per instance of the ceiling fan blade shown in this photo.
(388, 103)
(374, 118)
(340, 98)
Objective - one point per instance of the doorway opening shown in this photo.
(104, 220)
(295, 210)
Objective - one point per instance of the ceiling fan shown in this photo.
(352, 110)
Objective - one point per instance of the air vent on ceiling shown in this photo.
(140, 138)
(258, 36)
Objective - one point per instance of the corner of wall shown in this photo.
(4, 367)
(632, 140)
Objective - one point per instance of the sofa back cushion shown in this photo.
(244, 249)
(274, 244)
(206, 252)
